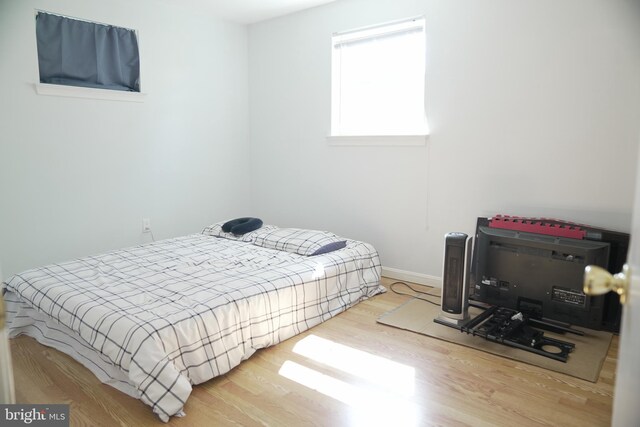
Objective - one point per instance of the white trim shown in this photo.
(88, 93)
(377, 140)
(410, 276)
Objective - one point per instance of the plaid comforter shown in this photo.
(179, 312)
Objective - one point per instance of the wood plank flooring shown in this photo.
(347, 371)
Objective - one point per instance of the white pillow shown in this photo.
(295, 240)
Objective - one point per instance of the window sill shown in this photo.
(88, 93)
(377, 140)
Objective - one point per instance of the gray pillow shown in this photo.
(330, 247)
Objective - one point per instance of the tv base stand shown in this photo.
(512, 328)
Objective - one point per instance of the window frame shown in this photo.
(336, 137)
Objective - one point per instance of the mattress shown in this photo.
(155, 319)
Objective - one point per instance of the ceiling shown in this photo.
(252, 11)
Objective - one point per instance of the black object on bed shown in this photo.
(241, 226)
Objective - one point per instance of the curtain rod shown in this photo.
(80, 19)
(372, 27)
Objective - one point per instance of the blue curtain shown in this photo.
(79, 53)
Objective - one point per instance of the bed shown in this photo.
(156, 319)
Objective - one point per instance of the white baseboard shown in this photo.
(410, 276)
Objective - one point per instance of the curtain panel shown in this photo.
(79, 53)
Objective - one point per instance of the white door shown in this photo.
(626, 398)
(7, 394)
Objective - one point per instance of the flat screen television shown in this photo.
(541, 275)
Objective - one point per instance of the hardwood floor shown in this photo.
(347, 371)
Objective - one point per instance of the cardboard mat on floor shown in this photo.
(584, 362)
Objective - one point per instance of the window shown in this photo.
(72, 52)
(377, 83)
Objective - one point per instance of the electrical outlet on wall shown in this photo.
(146, 225)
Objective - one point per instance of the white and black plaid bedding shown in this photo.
(181, 311)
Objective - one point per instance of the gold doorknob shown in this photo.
(598, 281)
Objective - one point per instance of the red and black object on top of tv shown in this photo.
(550, 227)
(536, 265)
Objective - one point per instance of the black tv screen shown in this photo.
(540, 275)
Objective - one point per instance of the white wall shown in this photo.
(532, 106)
(532, 103)
(77, 176)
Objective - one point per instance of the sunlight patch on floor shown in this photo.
(382, 398)
(391, 376)
(371, 407)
